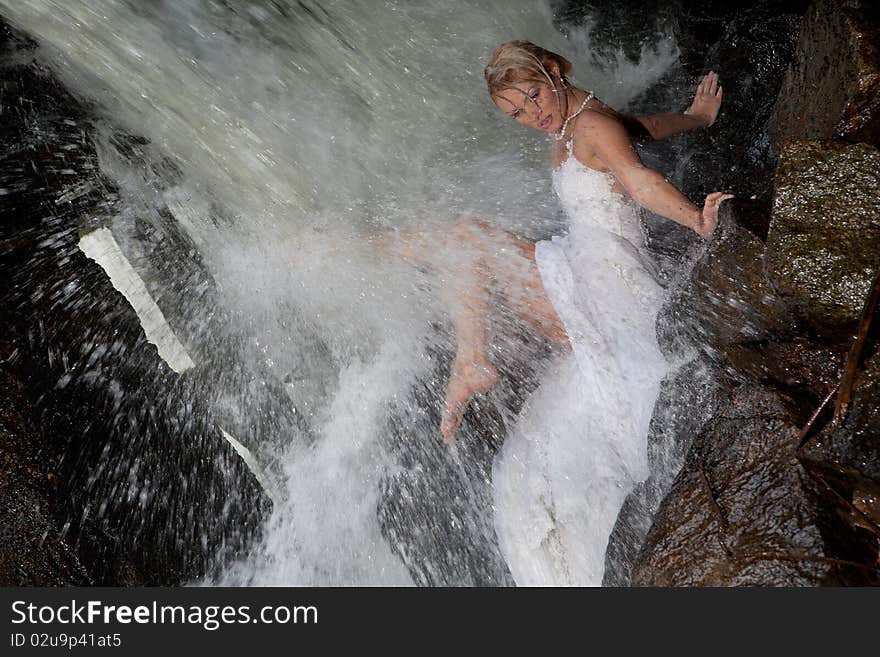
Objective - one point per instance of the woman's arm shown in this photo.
(608, 140)
(661, 126)
(701, 114)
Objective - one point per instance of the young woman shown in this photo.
(580, 444)
(530, 85)
(595, 169)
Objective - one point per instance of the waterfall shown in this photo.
(281, 137)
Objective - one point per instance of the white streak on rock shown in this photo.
(100, 246)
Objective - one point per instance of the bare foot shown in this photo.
(468, 379)
(707, 99)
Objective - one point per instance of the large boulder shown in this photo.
(743, 511)
(725, 299)
(775, 302)
(832, 86)
(823, 248)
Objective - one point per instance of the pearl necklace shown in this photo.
(559, 136)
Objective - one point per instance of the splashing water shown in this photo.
(282, 137)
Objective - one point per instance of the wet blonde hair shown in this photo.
(519, 61)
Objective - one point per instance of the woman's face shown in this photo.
(532, 104)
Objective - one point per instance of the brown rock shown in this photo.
(832, 88)
(726, 299)
(742, 511)
(823, 248)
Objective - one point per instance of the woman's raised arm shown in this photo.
(701, 114)
(605, 137)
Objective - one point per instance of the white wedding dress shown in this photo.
(580, 443)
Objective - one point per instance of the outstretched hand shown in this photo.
(707, 99)
(709, 214)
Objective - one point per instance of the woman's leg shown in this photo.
(477, 260)
(497, 261)
(472, 371)
(526, 296)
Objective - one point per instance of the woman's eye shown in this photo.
(535, 94)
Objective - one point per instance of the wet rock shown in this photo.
(823, 248)
(725, 299)
(843, 458)
(832, 87)
(750, 45)
(144, 489)
(688, 399)
(743, 511)
(749, 507)
(847, 456)
(32, 550)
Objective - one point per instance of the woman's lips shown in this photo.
(545, 123)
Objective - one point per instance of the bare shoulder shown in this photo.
(597, 120)
(593, 132)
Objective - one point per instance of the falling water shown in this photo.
(283, 138)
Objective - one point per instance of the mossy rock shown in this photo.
(823, 248)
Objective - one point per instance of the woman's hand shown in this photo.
(707, 100)
(709, 214)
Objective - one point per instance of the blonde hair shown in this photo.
(518, 61)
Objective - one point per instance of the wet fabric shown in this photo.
(580, 444)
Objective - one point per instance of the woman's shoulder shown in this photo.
(597, 116)
(590, 128)
(600, 120)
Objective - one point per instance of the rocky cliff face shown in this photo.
(111, 471)
(779, 486)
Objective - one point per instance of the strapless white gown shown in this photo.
(580, 443)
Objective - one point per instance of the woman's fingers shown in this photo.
(710, 213)
(709, 85)
(707, 99)
(715, 198)
(704, 84)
